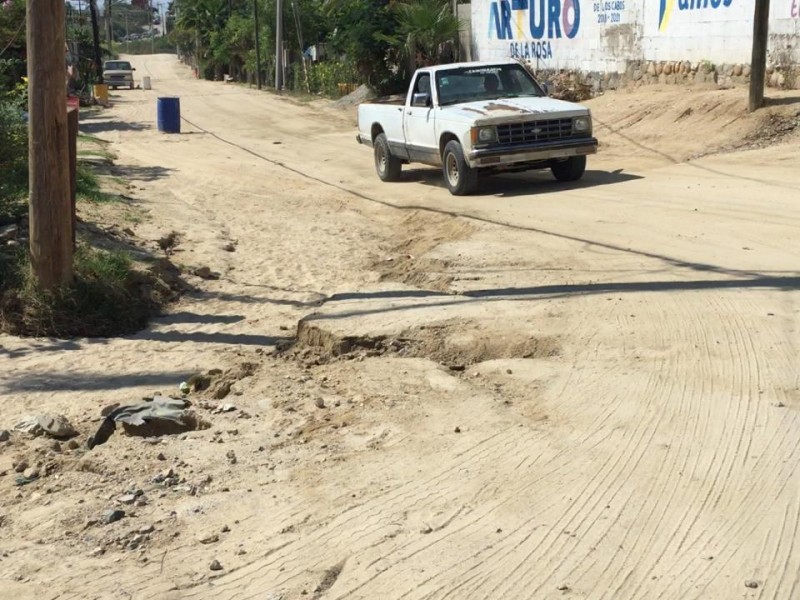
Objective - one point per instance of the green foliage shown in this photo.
(325, 77)
(87, 186)
(424, 28)
(13, 162)
(108, 297)
(159, 45)
(362, 29)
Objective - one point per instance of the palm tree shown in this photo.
(425, 27)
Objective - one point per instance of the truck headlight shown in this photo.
(484, 135)
(582, 124)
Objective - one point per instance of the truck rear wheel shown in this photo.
(461, 179)
(571, 169)
(387, 166)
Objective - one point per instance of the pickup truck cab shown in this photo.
(118, 73)
(477, 118)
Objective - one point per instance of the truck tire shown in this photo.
(460, 178)
(571, 169)
(387, 166)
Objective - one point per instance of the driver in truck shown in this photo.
(491, 83)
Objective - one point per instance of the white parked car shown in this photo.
(478, 118)
(118, 73)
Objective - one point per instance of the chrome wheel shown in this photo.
(380, 159)
(451, 165)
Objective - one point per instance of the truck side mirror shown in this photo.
(421, 100)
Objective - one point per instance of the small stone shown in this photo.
(99, 551)
(215, 565)
(229, 247)
(145, 529)
(563, 588)
(73, 445)
(240, 552)
(751, 583)
(20, 465)
(5, 435)
(426, 529)
(205, 273)
(57, 426)
(319, 402)
(31, 473)
(127, 499)
(211, 538)
(457, 430)
(161, 456)
(112, 516)
(231, 455)
(225, 529)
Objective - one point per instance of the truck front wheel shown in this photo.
(571, 169)
(461, 179)
(387, 166)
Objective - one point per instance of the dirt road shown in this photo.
(540, 391)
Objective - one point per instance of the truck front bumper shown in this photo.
(511, 154)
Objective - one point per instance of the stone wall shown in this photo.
(639, 73)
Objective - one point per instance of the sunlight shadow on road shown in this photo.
(522, 184)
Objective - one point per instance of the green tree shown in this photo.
(362, 31)
(426, 30)
(12, 43)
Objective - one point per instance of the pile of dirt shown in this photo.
(456, 344)
(406, 260)
(647, 121)
(362, 94)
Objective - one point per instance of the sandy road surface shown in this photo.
(628, 413)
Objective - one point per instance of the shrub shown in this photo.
(108, 297)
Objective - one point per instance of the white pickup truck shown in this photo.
(477, 118)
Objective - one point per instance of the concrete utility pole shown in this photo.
(758, 62)
(48, 149)
(279, 45)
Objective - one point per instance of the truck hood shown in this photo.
(507, 110)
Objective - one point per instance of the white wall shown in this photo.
(602, 35)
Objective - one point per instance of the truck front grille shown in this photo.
(534, 131)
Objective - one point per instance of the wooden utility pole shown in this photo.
(758, 62)
(278, 45)
(258, 47)
(98, 58)
(48, 151)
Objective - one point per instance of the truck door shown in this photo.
(418, 124)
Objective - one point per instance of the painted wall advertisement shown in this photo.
(603, 35)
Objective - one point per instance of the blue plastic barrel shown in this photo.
(169, 114)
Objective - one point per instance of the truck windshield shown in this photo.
(485, 82)
(118, 66)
